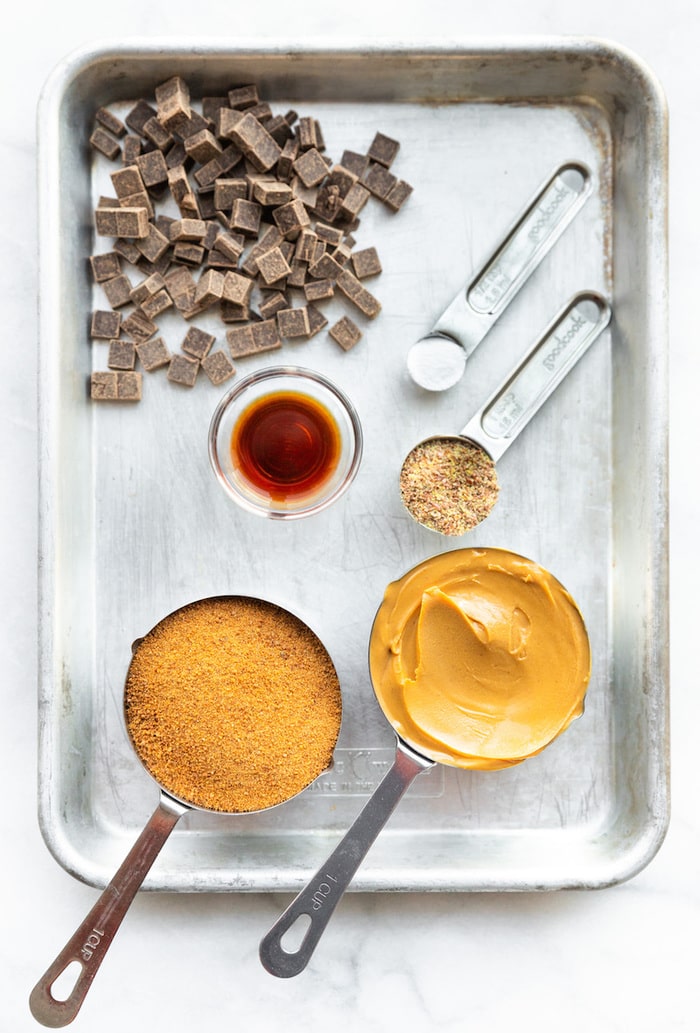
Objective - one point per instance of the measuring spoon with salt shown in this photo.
(448, 483)
(436, 362)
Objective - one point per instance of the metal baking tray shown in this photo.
(133, 523)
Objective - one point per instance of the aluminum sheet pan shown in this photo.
(133, 523)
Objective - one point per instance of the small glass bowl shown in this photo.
(237, 402)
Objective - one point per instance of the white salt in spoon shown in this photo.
(436, 362)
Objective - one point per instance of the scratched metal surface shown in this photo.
(133, 523)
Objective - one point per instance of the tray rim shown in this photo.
(656, 660)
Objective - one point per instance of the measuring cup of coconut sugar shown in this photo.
(479, 659)
(448, 483)
(437, 361)
(232, 705)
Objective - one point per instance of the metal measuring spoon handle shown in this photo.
(437, 361)
(496, 425)
(88, 945)
(323, 893)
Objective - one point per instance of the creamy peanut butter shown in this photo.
(479, 658)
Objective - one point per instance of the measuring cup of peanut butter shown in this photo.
(479, 659)
(437, 361)
(448, 483)
(233, 706)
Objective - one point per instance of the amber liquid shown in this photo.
(286, 445)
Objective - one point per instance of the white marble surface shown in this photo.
(614, 960)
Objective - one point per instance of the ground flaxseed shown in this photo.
(233, 704)
(448, 484)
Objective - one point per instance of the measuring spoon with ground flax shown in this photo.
(449, 483)
(233, 705)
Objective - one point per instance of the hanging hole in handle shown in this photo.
(65, 983)
(293, 939)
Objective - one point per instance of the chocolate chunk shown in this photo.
(358, 295)
(131, 149)
(153, 354)
(355, 162)
(310, 167)
(197, 343)
(399, 193)
(203, 147)
(115, 386)
(317, 320)
(272, 192)
(129, 386)
(354, 201)
(105, 325)
(245, 217)
(182, 193)
(234, 313)
(297, 274)
(243, 97)
(330, 234)
(253, 338)
(159, 136)
(306, 132)
(342, 178)
(188, 229)
(231, 245)
(127, 182)
(293, 322)
(183, 370)
(156, 304)
(121, 355)
(105, 266)
(272, 266)
(289, 154)
(218, 367)
(211, 105)
(173, 101)
(103, 386)
(272, 303)
(181, 287)
(226, 191)
(366, 263)
(210, 288)
(139, 115)
(383, 149)
(279, 129)
(326, 268)
(110, 122)
(153, 168)
(153, 244)
(104, 143)
(378, 180)
(236, 288)
(345, 333)
(256, 143)
(139, 326)
(118, 290)
(121, 222)
(128, 251)
(188, 254)
(319, 290)
(328, 203)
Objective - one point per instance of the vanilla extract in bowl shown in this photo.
(285, 443)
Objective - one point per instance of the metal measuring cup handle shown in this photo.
(570, 334)
(437, 361)
(323, 893)
(91, 940)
